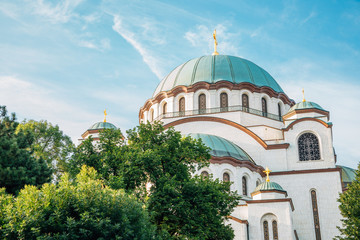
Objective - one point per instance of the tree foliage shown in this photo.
(80, 209)
(350, 210)
(158, 166)
(17, 165)
(50, 143)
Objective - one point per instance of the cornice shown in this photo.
(307, 119)
(307, 110)
(273, 201)
(230, 123)
(238, 163)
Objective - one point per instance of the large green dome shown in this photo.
(102, 125)
(215, 68)
(221, 147)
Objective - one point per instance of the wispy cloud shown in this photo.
(30, 100)
(61, 12)
(10, 10)
(311, 15)
(131, 37)
(201, 37)
(340, 98)
(104, 44)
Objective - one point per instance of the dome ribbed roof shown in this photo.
(215, 68)
(221, 147)
(102, 125)
(265, 186)
(305, 105)
(348, 175)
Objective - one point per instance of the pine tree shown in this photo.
(17, 166)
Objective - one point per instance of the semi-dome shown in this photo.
(215, 68)
(267, 186)
(102, 125)
(348, 175)
(221, 147)
(305, 105)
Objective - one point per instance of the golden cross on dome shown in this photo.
(303, 95)
(105, 115)
(215, 44)
(267, 171)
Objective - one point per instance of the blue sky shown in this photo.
(65, 61)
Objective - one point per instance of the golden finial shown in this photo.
(267, 171)
(105, 115)
(303, 95)
(215, 44)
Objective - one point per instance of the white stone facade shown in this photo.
(272, 143)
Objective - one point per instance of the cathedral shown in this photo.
(278, 154)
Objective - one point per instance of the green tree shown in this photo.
(50, 143)
(80, 209)
(158, 166)
(17, 165)
(350, 210)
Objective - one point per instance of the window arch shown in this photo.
(279, 111)
(258, 182)
(226, 177)
(244, 186)
(245, 102)
(224, 102)
(266, 230)
(315, 215)
(264, 107)
(164, 108)
(204, 174)
(151, 115)
(182, 106)
(309, 148)
(202, 103)
(275, 230)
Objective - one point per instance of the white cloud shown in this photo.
(311, 15)
(334, 92)
(104, 44)
(201, 37)
(29, 101)
(9, 10)
(131, 37)
(58, 13)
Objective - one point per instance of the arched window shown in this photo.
(279, 111)
(245, 102)
(309, 148)
(202, 103)
(316, 215)
(275, 230)
(151, 115)
(258, 182)
(226, 177)
(223, 102)
(204, 174)
(164, 108)
(264, 107)
(244, 186)
(182, 106)
(266, 230)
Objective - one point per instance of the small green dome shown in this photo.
(305, 105)
(215, 68)
(265, 186)
(102, 125)
(221, 147)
